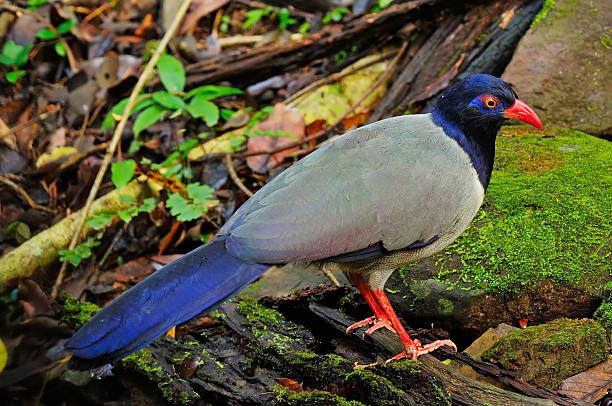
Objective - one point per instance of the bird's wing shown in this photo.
(397, 181)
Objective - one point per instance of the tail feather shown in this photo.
(194, 284)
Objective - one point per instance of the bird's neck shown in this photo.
(477, 142)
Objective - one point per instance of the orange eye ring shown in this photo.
(490, 102)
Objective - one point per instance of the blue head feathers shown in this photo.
(471, 111)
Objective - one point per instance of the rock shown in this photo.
(548, 353)
(538, 248)
(562, 65)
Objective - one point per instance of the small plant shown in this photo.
(284, 19)
(224, 26)
(606, 41)
(191, 207)
(34, 4)
(254, 16)
(380, 5)
(15, 56)
(62, 29)
(335, 15)
(172, 101)
(80, 252)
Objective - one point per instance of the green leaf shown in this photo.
(45, 34)
(147, 118)
(169, 101)
(253, 16)
(13, 54)
(64, 28)
(128, 214)
(212, 91)
(284, 18)
(99, 221)
(148, 205)
(59, 49)
(34, 4)
(335, 15)
(199, 193)
(80, 252)
(200, 107)
(14, 76)
(122, 172)
(3, 355)
(227, 113)
(171, 73)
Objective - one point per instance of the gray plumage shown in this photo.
(396, 181)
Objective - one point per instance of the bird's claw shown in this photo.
(377, 323)
(419, 349)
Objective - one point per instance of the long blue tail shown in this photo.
(194, 284)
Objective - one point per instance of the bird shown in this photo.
(376, 198)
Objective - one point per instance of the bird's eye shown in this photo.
(490, 102)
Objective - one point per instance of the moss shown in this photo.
(374, 389)
(564, 347)
(144, 362)
(77, 313)
(546, 216)
(347, 300)
(257, 315)
(603, 315)
(445, 307)
(546, 7)
(422, 387)
(316, 369)
(285, 396)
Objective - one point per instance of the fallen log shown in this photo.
(294, 350)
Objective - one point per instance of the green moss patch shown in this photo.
(547, 216)
(77, 313)
(548, 353)
(285, 396)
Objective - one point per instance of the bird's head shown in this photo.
(479, 104)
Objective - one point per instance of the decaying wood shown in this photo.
(266, 61)
(482, 40)
(240, 357)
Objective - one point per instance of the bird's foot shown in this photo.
(417, 349)
(377, 323)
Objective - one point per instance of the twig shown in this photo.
(234, 175)
(335, 77)
(21, 191)
(69, 54)
(114, 242)
(117, 134)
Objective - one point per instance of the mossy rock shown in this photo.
(539, 248)
(548, 353)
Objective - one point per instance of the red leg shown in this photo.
(380, 319)
(412, 348)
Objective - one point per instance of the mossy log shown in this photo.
(42, 249)
(289, 351)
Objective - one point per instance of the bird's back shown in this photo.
(396, 181)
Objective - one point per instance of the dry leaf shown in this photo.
(282, 119)
(199, 9)
(290, 384)
(589, 385)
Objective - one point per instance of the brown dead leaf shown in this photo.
(31, 296)
(57, 139)
(590, 385)
(282, 119)
(165, 259)
(290, 384)
(199, 9)
(356, 119)
(132, 271)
